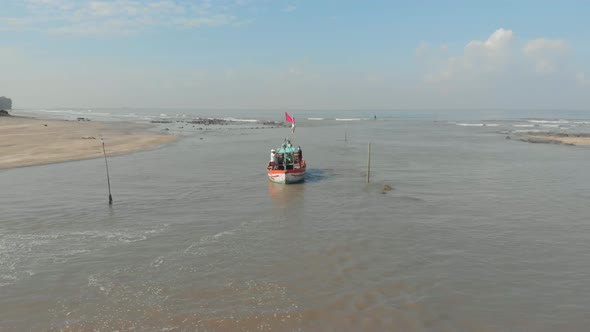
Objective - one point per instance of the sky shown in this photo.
(263, 54)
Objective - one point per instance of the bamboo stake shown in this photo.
(108, 178)
(369, 164)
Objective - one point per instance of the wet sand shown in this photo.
(29, 141)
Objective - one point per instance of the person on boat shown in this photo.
(273, 159)
(289, 161)
(280, 161)
(289, 143)
(299, 154)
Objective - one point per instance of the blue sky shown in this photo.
(295, 54)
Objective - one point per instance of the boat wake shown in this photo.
(316, 175)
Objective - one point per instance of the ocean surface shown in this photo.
(480, 233)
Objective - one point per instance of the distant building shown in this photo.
(5, 103)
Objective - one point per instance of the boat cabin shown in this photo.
(287, 159)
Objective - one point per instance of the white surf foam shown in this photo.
(470, 124)
(527, 131)
(239, 120)
(549, 121)
(63, 112)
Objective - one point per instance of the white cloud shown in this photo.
(504, 71)
(496, 44)
(117, 27)
(101, 8)
(422, 49)
(85, 17)
(212, 21)
(546, 54)
(582, 80)
(497, 56)
(290, 8)
(541, 45)
(14, 23)
(485, 57)
(295, 71)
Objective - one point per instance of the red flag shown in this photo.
(289, 118)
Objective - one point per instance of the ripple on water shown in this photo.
(22, 254)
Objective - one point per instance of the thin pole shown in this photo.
(345, 130)
(369, 164)
(108, 178)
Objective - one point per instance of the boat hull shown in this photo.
(287, 177)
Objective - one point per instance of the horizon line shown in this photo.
(307, 109)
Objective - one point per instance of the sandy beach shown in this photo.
(559, 138)
(29, 141)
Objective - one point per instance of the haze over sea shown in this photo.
(479, 233)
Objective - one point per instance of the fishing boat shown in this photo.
(287, 168)
(286, 164)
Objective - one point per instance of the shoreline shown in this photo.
(28, 141)
(579, 139)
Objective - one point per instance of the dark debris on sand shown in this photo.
(221, 122)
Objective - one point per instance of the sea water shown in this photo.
(480, 233)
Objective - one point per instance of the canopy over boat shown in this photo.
(286, 150)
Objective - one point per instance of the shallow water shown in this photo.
(479, 233)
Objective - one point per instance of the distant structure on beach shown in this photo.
(5, 103)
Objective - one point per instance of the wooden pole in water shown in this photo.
(108, 179)
(369, 164)
(345, 130)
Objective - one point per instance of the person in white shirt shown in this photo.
(273, 158)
